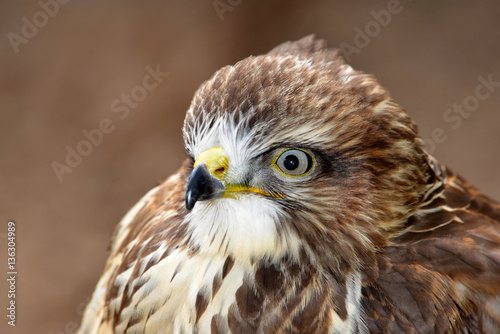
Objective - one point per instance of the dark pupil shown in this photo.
(291, 162)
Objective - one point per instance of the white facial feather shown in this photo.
(224, 132)
(245, 228)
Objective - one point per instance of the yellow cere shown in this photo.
(216, 162)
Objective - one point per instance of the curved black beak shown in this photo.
(202, 186)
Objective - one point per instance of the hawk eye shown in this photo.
(294, 162)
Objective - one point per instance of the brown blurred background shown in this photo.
(64, 79)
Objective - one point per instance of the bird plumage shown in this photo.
(373, 235)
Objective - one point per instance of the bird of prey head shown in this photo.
(319, 152)
(307, 204)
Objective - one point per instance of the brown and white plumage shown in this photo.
(374, 235)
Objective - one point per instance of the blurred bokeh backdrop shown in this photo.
(69, 67)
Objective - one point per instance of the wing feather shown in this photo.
(103, 312)
(443, 270)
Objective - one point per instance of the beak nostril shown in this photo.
(215, 162)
